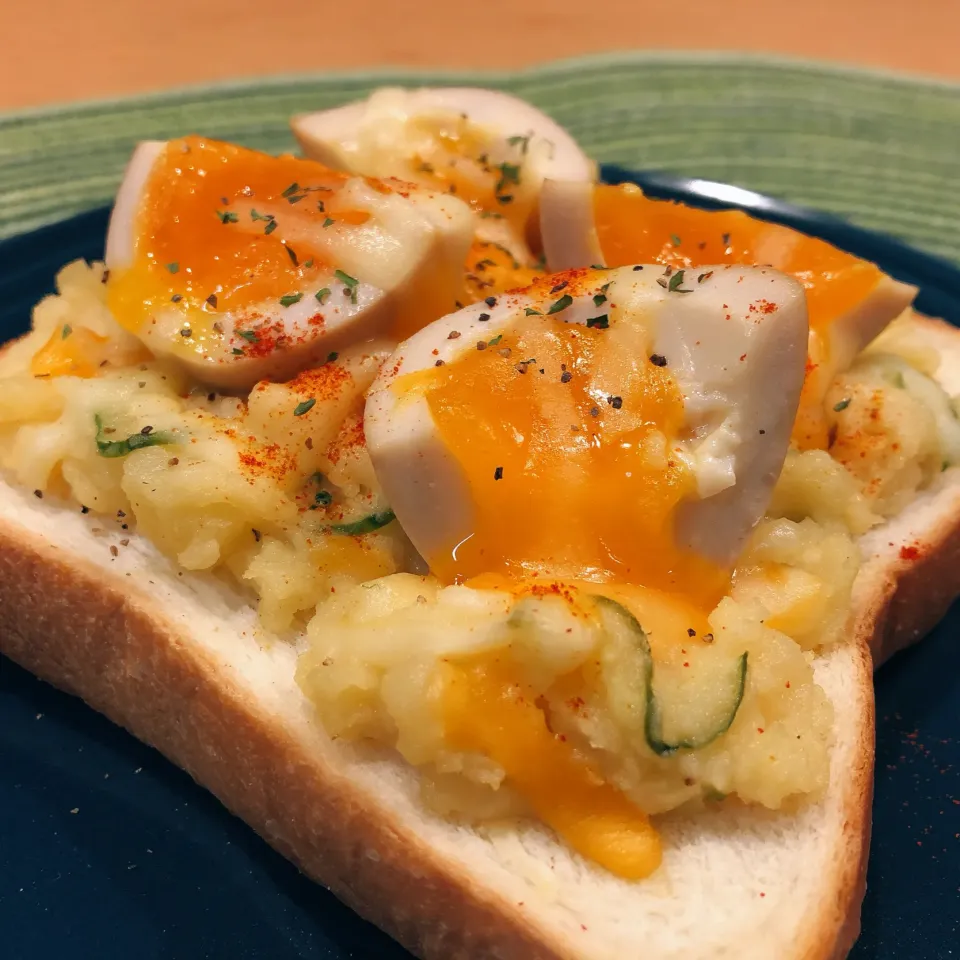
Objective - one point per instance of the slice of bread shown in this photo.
(176, 659)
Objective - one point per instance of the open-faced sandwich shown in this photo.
(511, 551)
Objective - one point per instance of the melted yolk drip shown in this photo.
(565, 478)
(81, 353)
(211, 231)
(486, 711)
(491, 268)
(74, 355)
(634, 229)
(667, 618)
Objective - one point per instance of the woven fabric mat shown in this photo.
(882, 150)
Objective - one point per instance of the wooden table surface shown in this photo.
(54, 51)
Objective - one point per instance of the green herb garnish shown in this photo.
(248, 335)
(120, 448)
(367, 525)
(674, 285)
(173, 267)
(674, 239)
(332, 355)
(322, 295)
(270, 227)
(843, 404)
(499, 246)
(509, 173)
(329, 222)
(560, 304)
(601, 322)
(520, 141)
(495, 340)
(291, 190)
(349, 282)
(305, 406)
(530, 312)
(67, 330)
(227, 216)
(290, 299)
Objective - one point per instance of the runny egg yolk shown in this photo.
(566, 479)
(491, 268)
(71, 353)
(486, 711)
(79, 352)
(214, 229)
(634, 229)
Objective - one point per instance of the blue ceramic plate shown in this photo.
(108, 851)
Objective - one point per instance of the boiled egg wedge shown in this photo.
(624, 425)
(850, 301)
(244, 266)
(486, 147)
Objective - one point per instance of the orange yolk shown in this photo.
(73, 354)
(491, 268)
(486, 711)
(79, 352)
(634, 229)
(212, 231)
(667, 618)
(566, 479)
(457, 162)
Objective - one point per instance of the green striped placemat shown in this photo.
(882, 150)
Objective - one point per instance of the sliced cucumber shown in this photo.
(367, 524)
(711, 721)
(693, 725)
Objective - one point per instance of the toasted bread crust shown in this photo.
(911, 594)
(832, 935)
(62, 619)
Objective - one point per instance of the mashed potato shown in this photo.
(276, 489)
(377, 657)
(266, 487)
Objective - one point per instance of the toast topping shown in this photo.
(243, 265)
(629, 571)
(610, 425)
(849, 300)
(486, 147)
